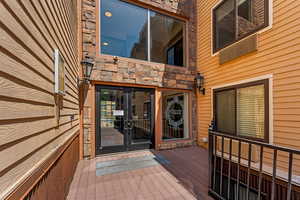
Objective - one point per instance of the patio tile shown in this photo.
(171, 174)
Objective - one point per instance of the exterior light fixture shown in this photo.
(88, 65)
(199, 82)
(108, 14)
(105, 43)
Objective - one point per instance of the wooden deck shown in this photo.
(184, 177)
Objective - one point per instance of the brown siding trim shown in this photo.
(121, 84)
(27, 185)
(93, 120)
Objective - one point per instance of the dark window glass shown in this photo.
(124, 29)
(175, 54)
(225, 26)
(166, 35)
(225, 111)
(245, 9)
(251, 15)
(234, 21)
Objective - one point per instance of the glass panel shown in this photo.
(175, 115)
(251, 15)
(251, 111)
(166, 39)
(224, 24)
(112, 117)
(124, 29)
(141, 116)
(225, 111)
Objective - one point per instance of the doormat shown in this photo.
(128, 164)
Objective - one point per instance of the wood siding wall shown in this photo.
(29, 32)
(56, 182)
(277, 55)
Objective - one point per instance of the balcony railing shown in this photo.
(234, 175)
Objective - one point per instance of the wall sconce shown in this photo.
(199, 82)
(115, 60)
(88, 66)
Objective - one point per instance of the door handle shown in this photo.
(128, 124)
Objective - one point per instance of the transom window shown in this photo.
(135, 32)
(242, 110)
(236, 19)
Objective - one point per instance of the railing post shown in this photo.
(290, 174)
(222, 166)
(229, 169)
(211, 146)
(210, 157)
(260, 171)
(274, 174)
(249, 170)
(238, 171)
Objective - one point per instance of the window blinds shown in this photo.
(251, 111)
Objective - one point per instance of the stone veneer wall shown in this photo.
(136, 71)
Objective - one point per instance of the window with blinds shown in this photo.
(241, 110)
(251, 111)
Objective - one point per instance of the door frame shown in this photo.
(97, 126)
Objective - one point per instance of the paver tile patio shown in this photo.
(178, 174)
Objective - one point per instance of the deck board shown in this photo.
(185, 176)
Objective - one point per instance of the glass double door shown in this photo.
(124, 119)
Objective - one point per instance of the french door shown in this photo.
(124, 119)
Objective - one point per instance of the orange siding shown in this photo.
(278, 54)
(29, 33)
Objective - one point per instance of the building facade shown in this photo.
(145, 57)
(164, 72)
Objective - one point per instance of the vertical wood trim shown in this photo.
(93, 122)
(98, 26)
(80, 74)
(158, 119)
(190, 116)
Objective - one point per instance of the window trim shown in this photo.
(149, 8)
(266, 24)
(266, 84)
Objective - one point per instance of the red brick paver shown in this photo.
(186, 177)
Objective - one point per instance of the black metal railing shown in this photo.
(232, 179)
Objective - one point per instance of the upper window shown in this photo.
(236, 19)
(134, 32)
(242, 110)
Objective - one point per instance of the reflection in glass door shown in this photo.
(112, 117)
(124, 119)
(141, 114)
